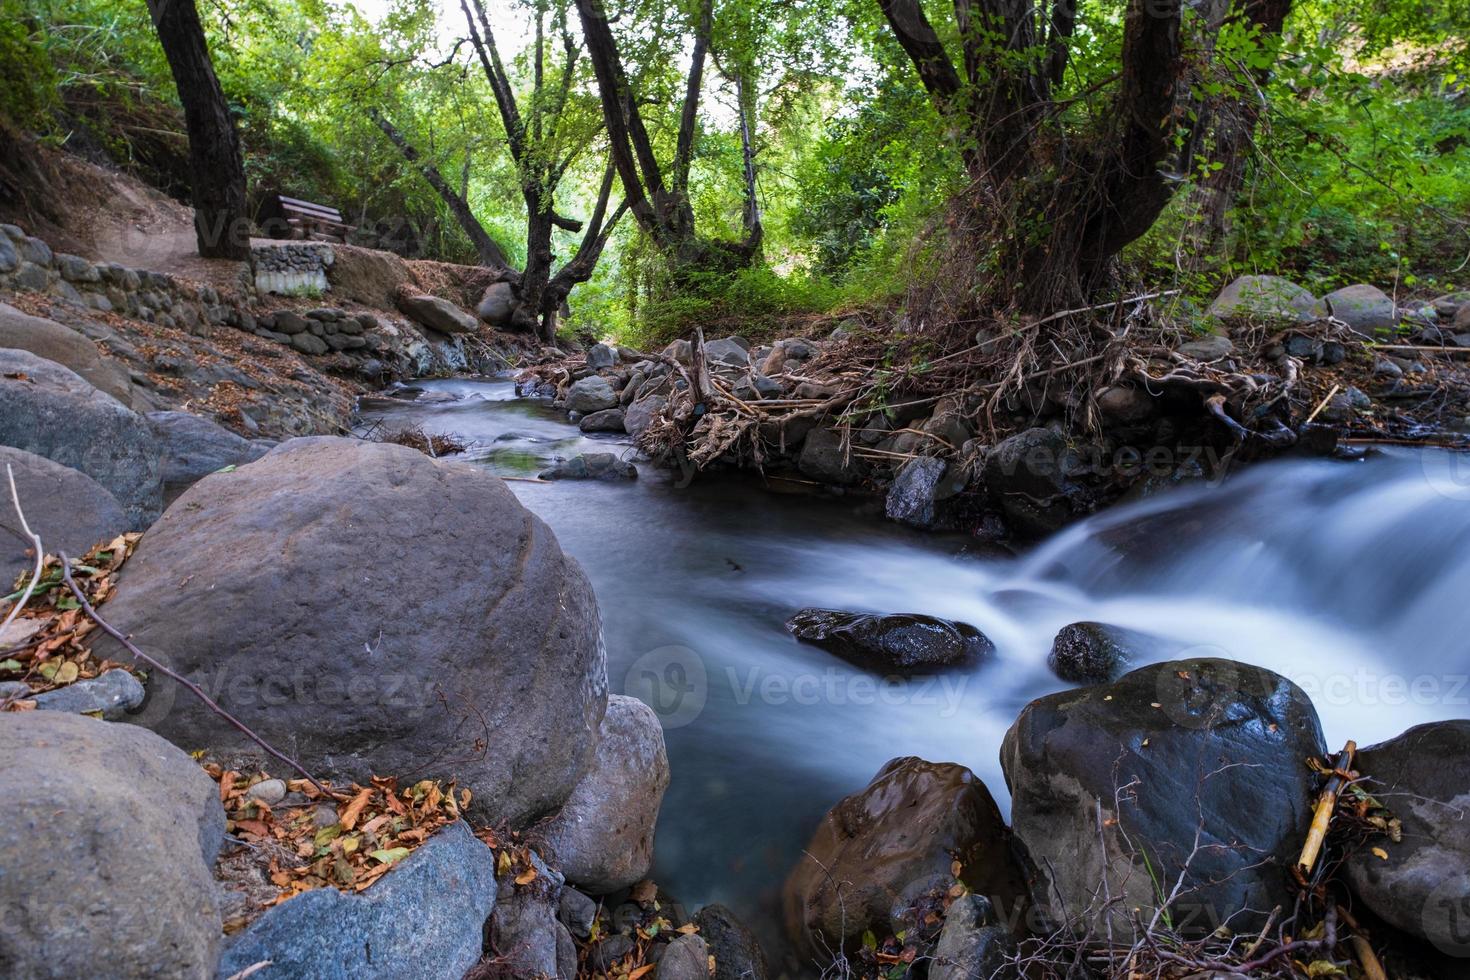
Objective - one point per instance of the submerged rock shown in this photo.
(108, 836)
(882, 849)
(1422, 778)
(591, 466)
(901, 643)
(1197, 768)
(1088, 653)
(256, 583)
(430, 908)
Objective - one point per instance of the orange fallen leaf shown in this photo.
(348, 816)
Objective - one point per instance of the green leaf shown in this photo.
(390, 855)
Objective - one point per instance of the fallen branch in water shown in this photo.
(198, 691)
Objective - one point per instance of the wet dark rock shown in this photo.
(1029, 477)
(737, 953)
(1423, 778)
(971, 946)
(917, 495)
(826, 459)
(899, 643)
(882, 849)
(1170, 753)
(591, 466)
(1088, 653)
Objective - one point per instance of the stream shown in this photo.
(1351, 579)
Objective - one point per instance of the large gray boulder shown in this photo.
(640, 415)
(1266, 299)
(430, 908)
(108, 836)
(436, 314)
(602, 838)
(889, 845)
(1194, 768)
(194, 447)
(373, 610)
(1422, 778)
(51, 411)
(1368, 310)
(68, 509)
(65, 346)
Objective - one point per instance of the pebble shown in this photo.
(271, 792)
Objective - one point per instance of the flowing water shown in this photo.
(1351, 579)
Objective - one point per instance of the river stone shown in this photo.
(902, 643)
(686, 958)
(51, 411)
(1266, 298)
(602, 838)
(591, 394)
(430, 908)
(882, 848)
(971, 946)
(524, 929)
(1126, 405)
(1368, 310)
(640, 415)
(607, 420)
(194, 447)
(108, 836)
(601, 356)
(309, 343)
(730, 352)
(496, 304)
(824, 458)
(259, 584)
(1026, 476)
(1173, 750)
(1423, 778)
(68, 509)
(1210, 347)
(9, 259)
(112, 693)
(1088, 653)
(436, 314)
(290, 323)
(591, 466)
(65, 346)
(737, 953)
(915, 495)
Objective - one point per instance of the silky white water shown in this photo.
(1353, 579)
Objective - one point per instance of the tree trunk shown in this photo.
(217, 174)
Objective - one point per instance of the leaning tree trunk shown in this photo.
(217, 175)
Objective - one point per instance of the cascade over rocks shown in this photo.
(1423, 778)
(51, 411)
(68, 509)
(475, 655)
(1170, 751)
(898, 643)
(882, 848)
(108, 836)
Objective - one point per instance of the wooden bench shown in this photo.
(291, 217)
